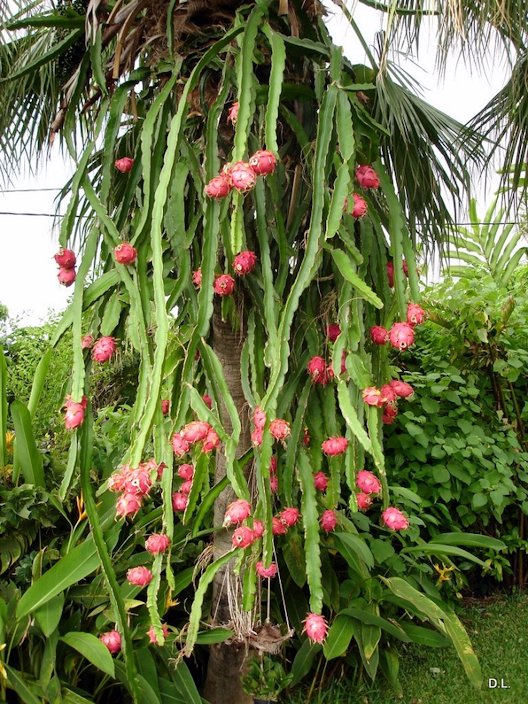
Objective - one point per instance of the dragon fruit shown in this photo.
(334, 446)
(156, 543)
(394, 519)
(263, 162)
(280, 429)
(139, 576)
(320, 481)
(367, 177)
(65, 258)
(218, 187)
(125, 253)
(124, 165)
(315, 627)
(112, 640)
(103, 349)
(328, 520)
(243, 537)
(266, 572)
(244, 262)
(401, 336)
(224, 285)
(66, 277)
(379, 335)
(242, 176)
(368, 482)
(236, 512)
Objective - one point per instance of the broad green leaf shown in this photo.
(49, 615)
(92, 649)
(27, 456)
(339, 636)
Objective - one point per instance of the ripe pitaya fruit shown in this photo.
(317, 370)
(128, 505)
(290, 516)
(165, 406)
(259, 418)
(390, 271)
(333, 331)
(367, 177)
(359, 207)
(328, 520)
(65, 258)
(124, 165)
(394, 519)
(368, 482)
(242, 176)
(66, 277)
(207, 400)
(280, 429)
(256, 437)
(415, 314)
(156, 543)
(236, 512)
(186, 472)
(258, 528)
(195, 431)
(138, 481)
(244, 262)
(74, 415)
(179, 501)
(334, 446)
(372, 396)
(320, 481)
(112, 640)
(274, 483)
(103, 349)
(86, 342)
(151, 633)
(266, 572)
(388, 394)
(263, 162)
(379, 335)
(278, 527)
(401, 388)
(125, 253)
(389, 413)
(224, 285)
(179, 445)
(232, 115)
(186, 487)
(211, 442)
(243, 537)
(116, 481)
(315, 627)
(364, 501)
(401, 336)
(139, 576)
(218, 187)
(197, 278)
(306, 438)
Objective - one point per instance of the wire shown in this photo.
(28, 190)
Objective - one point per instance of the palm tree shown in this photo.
(154, 80)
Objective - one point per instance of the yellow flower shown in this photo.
(444, 573)
(10, 436)
(80, 508)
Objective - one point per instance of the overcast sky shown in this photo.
(28, 283)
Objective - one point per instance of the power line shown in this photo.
(29, 190)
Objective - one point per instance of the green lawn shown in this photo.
(499, 632)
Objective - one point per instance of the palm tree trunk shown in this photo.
(223, 684)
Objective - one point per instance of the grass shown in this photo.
(498, 629)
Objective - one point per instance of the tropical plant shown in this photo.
(155, 87)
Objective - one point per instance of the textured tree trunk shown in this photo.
(223, 684)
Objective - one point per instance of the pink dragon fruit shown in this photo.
(243, 537)
(328, 520)
(197, 278)
(186, 487)
(256, 437)
(278, 527)
(388, 394)
(368, 482)
(315, 627)
(259, 418)
(379, 335)
(274, 483)
(401, 336)
(232, 114)
(236, 512)
(124, 165)
(263, 162)
(116, 481)
(139, 576)
(258, 528)
(344, 354)
(372, 396)
(289, 516)
(334, 446)
(364, 501)
(218, 187)
(320, 481)
(390, 413)
(207, 400)
(151, 633)
(224, 285)
(66, 277)
(186, 472)
(165, 406)
(317, 370)
(211, 442)
(128, 505)
(401, 388)
(74, 415)
(390, 271)
(280, 429)
(359, 208)
(65, 258)
(112, 640)
(196, 431)
(333, 331)
(415, 314)
(266, 572)
(86, 342)
(156, 543)
(179, 445)
(244, 262)
(394, 519)
(103, 349)
(367, 177)
(306, 438)
(179, 501)
(138, 481)
(125, 253)
(242, 176)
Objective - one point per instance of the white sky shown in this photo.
(28, 283)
